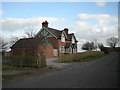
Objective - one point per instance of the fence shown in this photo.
(78, 56)
(24, 61)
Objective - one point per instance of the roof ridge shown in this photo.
(55, 29)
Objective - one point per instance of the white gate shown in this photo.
(55, 52)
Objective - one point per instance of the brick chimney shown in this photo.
(66, 30)
(45, 24)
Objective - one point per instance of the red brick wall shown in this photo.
(16, 52)
(61, 44)
(54, 41)
(45, 50)
(22, 52)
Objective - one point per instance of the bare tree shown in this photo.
(31, 33)
(4, 45)
(88, 46)
(112, 42)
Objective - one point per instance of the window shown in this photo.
(62, 38)
(62, 49)
(70, 50)
(73, 39)
(67, 50)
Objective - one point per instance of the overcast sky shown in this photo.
(88, 20)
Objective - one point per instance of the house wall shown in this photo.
(54, 41)
(22, 52)
(45, 50)
(61, 44)
(16, 52)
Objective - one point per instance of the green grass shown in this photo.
(8, 68)
(91, 57)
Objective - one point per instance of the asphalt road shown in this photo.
(100, 73)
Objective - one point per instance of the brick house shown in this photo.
(51, 42)
(32, 47)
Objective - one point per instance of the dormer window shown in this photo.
(62, 38)
(73, 39)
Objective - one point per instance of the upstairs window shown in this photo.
(73, 39)
(62, 38)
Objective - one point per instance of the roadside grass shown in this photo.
(7, 76)
(91, 57)
(8, 68)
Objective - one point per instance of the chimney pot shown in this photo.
(66, 30)
(45, 24)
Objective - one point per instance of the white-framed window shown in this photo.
(73, 39)
(67, 50)
(62, 38)
(70, 50)
(62, 49)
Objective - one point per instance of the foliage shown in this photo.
(80, 56)
(102, 48)
(112, 42)
(88, 46)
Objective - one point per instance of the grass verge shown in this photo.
(7, 68)
(91, 57)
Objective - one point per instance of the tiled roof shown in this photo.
(56, 32)
(28, 42)
(69, 36)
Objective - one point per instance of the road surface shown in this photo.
(100, 73)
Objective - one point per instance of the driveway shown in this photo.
(100, 73)
(54, 63)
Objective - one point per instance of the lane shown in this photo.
(101, 73)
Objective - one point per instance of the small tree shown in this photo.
(4, 46)
(88, 46)
(112, 42)
(101, 46)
